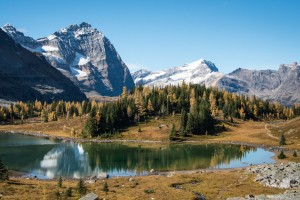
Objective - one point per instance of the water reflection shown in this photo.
(66, 159)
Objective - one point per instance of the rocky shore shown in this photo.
(285, 176)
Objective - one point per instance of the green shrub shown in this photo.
(281, 155)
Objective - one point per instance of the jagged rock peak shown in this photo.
(202, 62)
(9, 28)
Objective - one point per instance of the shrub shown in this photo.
(295, 154)
(281, 155)
(81, 189)
(105, 187)
(149, 191)
(69, 192)
(59, 182)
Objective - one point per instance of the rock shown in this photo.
(152, 171)
(90, 181)
(277, 175)
(89, 196)
(131, 179)
(102, 176)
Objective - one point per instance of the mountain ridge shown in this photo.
(274, 85)
(28, 76)
(84, 55)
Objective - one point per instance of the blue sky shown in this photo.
(158, 34)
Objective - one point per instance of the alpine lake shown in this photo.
(46, 158)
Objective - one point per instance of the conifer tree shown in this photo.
(282, 140)
(183, 120)
(105, 187)
(3, 171)
(173, 132)
(59, 182)
(81, 189)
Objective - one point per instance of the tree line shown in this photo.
(198, 106)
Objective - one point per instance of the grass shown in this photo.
(211, 184)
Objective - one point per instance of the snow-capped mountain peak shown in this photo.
(84, 55)
(200, 71)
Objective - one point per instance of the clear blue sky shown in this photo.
(158, 34)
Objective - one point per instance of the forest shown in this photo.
(200, 109)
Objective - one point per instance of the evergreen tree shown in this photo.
(295, 154)
(183, 120)
(282, 140)
(81, 189)
(173, 132)
(3, 171)
(281, 155)
(90, 127)
(69, 192)
(59, 182)
(105, 187)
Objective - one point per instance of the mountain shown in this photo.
(84, 55)
(28, 76)
(200, 71)
(282, 85)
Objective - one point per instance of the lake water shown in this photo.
(49, 159)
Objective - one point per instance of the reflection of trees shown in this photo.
(226, 153)
(120, 157)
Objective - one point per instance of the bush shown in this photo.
(105, 187)
(81, 189)
(149, 191)
(59, 182)
(295, 154)
(69, 192)
(281, 155)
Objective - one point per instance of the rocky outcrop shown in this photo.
(282, 85)
(284, 176)
(277, 175)
(84, 55)
(287, 195)
(28, 76)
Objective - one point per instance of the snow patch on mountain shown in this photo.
(49, 48)
(78, 73)
(80, 59)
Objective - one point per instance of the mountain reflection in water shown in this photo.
(67, 159)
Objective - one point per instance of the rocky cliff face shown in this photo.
(84, 55)
(28, 76)
(200, 71)
(282, 85)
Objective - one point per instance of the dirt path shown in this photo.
(269, 132)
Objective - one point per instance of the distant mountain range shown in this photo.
(282, 85)
(84, 55)
(87, 58)
(28, 76)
